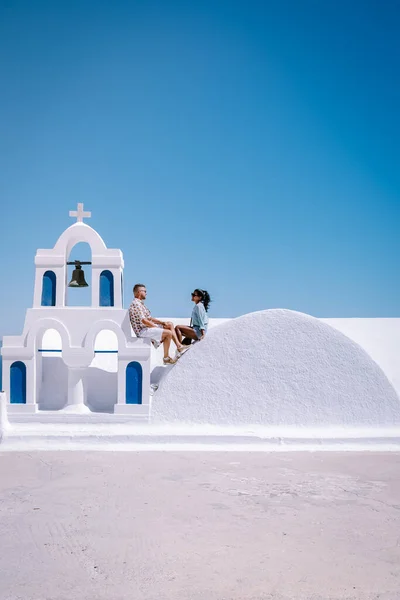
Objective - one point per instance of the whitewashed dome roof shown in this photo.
(277, 367)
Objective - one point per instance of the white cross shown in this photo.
(80, 214)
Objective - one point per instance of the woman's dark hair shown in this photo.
(205, 297)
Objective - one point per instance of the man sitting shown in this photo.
(145, 326)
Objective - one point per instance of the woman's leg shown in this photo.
(178, 334)
(185, 330)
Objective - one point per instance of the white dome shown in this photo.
(277, 367)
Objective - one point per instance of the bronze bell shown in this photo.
(78, 275)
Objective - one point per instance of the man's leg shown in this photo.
(166, 340)
(170, 327)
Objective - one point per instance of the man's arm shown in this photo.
(137, 315)
(148, 322)
(146, 318)
(158, 322)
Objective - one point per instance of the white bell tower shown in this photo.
(51, 268)
(77, 328)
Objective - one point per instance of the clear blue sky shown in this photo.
(250, 148)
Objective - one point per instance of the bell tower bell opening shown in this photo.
(79, 274)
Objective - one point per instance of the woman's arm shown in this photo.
(201, 314)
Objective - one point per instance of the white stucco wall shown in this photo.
(380, 338)
(278, 368)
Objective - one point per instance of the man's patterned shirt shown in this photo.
(137, 312)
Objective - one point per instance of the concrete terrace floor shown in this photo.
(199, 526)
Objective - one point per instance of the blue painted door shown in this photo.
(49, 289)
(18, 383)
(106, 289)
(134, 377)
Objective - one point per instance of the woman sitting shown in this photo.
(199, 321)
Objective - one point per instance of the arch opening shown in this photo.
(101, 377)
(49, 283)
(106, 289)
(18, 383)
(52, 372)
(134, 383)
(79, 296)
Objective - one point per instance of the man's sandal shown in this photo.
(169, 361)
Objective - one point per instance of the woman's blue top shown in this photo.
(199, 317)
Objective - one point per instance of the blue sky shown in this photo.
(250, 148)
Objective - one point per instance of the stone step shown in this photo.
(136, 436)
(63, 418)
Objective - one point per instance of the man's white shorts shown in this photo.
(153, 333)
